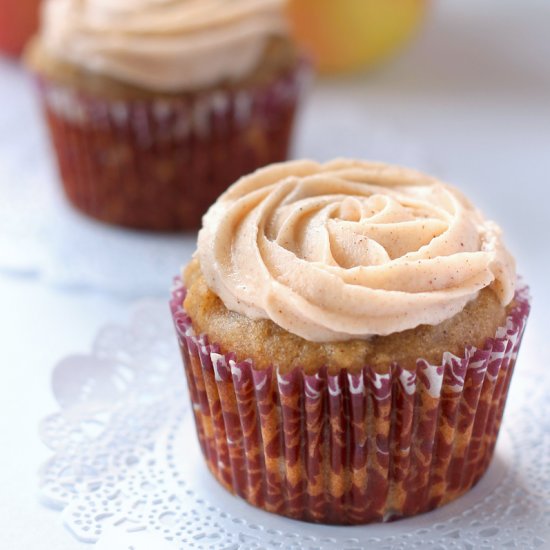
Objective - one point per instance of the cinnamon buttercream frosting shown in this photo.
(165, 45)
(349, 249)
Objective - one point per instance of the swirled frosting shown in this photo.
(166, 45)
(349, 249)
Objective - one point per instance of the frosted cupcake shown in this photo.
(349, 332)
(155, 107)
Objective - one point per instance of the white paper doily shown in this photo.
(40, 234)
(127, 471)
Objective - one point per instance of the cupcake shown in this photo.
(348, 331)
(155, 107)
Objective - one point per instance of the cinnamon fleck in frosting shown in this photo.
(348, 249)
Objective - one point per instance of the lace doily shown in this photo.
(127, 473)
(41, 234)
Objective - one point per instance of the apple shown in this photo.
(343, 35)
(18, 22)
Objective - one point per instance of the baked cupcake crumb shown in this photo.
(267, 344)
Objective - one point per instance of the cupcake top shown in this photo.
(164, 45)
(349, 250)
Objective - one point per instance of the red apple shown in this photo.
(18, 22)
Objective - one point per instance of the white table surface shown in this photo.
(473, 91)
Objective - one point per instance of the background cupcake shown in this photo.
(155, 107)
(349, 332)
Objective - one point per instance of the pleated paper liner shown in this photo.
(159, 163)
(349, 448)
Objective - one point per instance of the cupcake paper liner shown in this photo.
(159, 163)
(351, 447)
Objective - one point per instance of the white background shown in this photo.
(473, 91)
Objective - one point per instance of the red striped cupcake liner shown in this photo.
(351, 447)
(159, 163)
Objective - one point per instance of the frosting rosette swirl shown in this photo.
(349, 249)
(165, 45)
